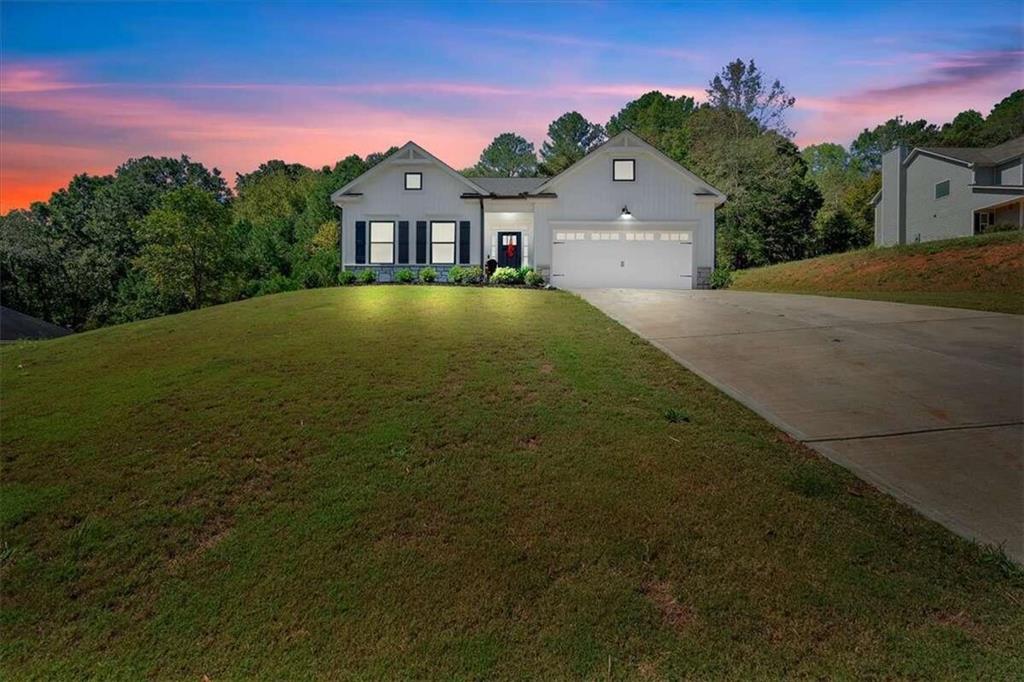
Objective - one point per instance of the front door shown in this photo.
(510, 251)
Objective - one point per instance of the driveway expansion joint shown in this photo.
(896, 434)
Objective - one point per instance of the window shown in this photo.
(442, 242)
(414, 180)
(382, 242)
(942, 189)
(624, 170)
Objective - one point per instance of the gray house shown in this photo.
(625, 215)
(943, 192)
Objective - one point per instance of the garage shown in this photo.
(585, 258)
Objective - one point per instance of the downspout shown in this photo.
(481, 232)
(341, 235)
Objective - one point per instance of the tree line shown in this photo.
(162, 235)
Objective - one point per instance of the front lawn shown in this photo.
(982, 273)
(437, 482)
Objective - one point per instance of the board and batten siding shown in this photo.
(659, 194)
(385, 198)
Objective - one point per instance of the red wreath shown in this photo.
(510, 249)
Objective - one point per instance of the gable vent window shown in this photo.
(624, 170)
(414, 180)
(382, 242)
(942, 189)
(442, 242)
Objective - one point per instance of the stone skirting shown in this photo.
(386, 273)
(702, 280)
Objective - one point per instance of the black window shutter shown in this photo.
(403, 241)
(421, 241)
(360, 241)
(464, 241)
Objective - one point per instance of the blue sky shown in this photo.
(232, 84)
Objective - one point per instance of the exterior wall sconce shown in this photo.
(626, 213)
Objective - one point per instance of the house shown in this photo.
(942, 192)
(625, 215)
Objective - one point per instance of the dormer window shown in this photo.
(414, 180)
(624, 170)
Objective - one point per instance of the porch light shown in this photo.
(626, 213)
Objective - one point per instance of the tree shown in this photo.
(508, 155)
(838, 231)
(832, 169)
(869, 146)
(742, 87)
(187, 247)
(376, 157)
(769, 217)
(570, 137)
(657, 118)
(966, 130)
(1006, 120)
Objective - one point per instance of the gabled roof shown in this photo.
(975, 156)
(409, 152)
(627, 139)
(510, 186)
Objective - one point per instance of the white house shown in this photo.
(625, 215)
(943, 192)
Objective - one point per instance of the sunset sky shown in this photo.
(86, 86)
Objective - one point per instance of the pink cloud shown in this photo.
(948, 84)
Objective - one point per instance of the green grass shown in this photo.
(448, 483)
(981, 273)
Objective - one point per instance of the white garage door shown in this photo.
(656, 259)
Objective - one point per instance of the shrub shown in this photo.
(721, 278)
(523, 272)
(346, 277)
(428, 275)
(469, 274)
(318, 270)
(368, 276)
(405, 276)
(276, 284)
(506, 276)
(534, 279)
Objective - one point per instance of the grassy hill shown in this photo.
(441, 482)
(983, 273)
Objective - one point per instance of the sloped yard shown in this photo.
(981, 273)
(442, 482)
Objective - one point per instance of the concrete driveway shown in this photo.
(925, 403)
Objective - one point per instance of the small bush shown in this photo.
(346, 277)
(469, 274)
(534, 279)
(674, 416)
(506, 276)
(721, 278)
(428, 275)
(405, 276)
(523, 272)
(368, 276)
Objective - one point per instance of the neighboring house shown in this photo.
(15, 326)
(625, 215)
(941, 192)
